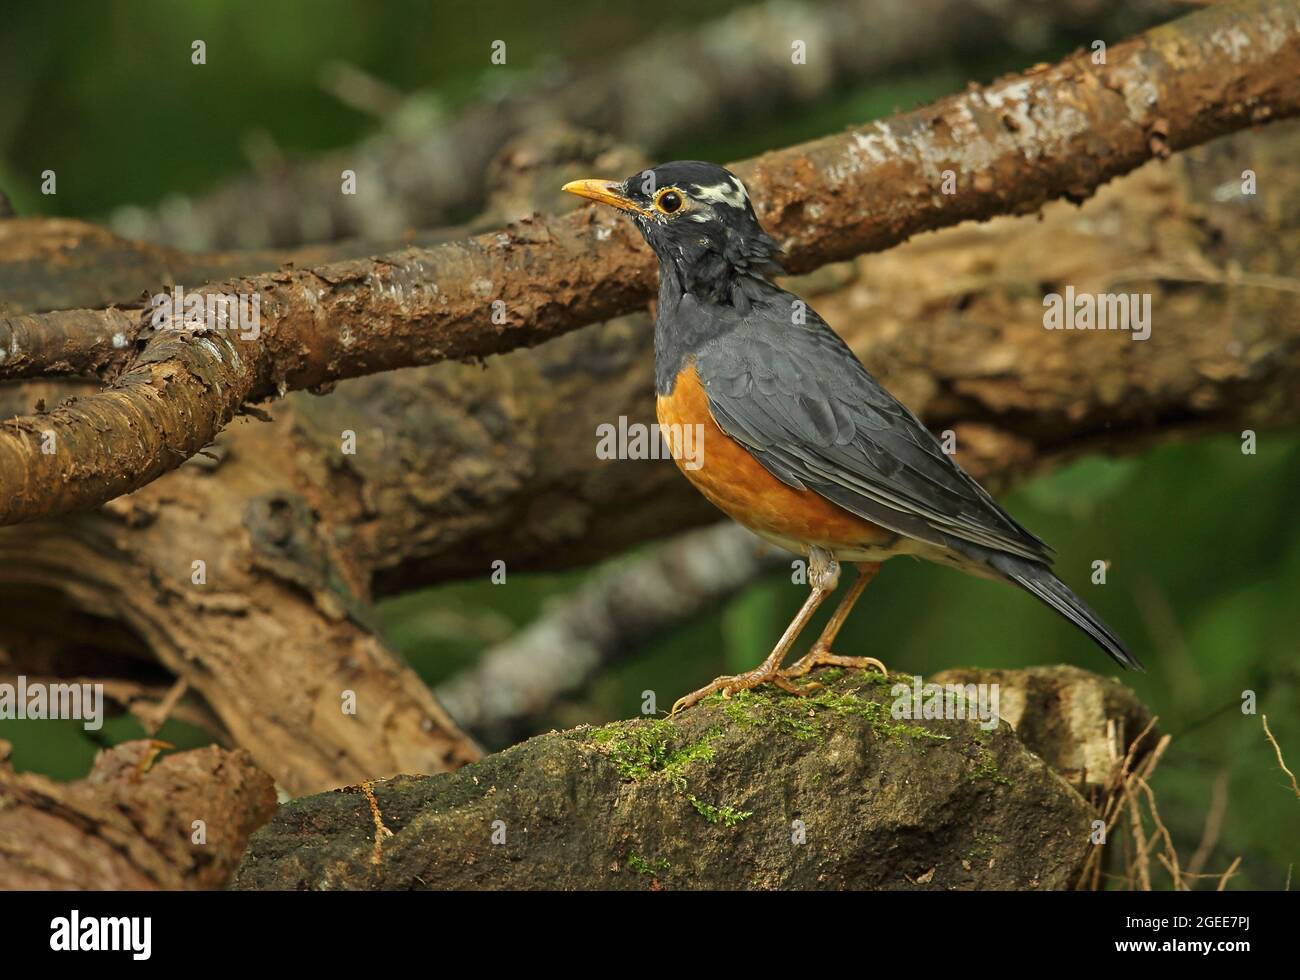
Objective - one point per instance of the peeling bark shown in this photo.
(276, 638)
(131, 823)
(78, 268)
(734, 68)
(1059, 131)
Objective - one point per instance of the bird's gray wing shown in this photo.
(799, 400)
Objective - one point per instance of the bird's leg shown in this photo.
(823, 576)
(821, 650)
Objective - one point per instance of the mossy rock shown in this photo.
(765, 790)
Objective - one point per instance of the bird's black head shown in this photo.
(698, 219)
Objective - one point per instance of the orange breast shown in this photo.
(736, 483)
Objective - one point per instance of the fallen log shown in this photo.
(133, 823)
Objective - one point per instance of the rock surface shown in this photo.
(1075, 720)
(764, 790)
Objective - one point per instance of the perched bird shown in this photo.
(801, 444)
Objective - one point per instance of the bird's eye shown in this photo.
(668, 200)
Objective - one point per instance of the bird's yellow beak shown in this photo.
(604, 192)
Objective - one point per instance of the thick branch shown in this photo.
(133, 823)
(731, 69)
(1061, 131)
(952, 323)
(275, 636)
(68, 265)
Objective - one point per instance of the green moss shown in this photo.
(737, 710)
(652, 868)
(641, 749)
(986, 763)
(877, 679)
(726, 815)
(796, 716)
(883, 724)
(646, 748)
(838, 703)
(702, 751)
(982, 847)
(844, 703)
(636, 748)
(986, 767)
(799, 728)
(696, 751)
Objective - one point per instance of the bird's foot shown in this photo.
(735, 684)
(820, 656)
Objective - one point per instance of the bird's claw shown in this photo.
(820, 656)
(734, 684)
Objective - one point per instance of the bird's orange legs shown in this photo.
(821, 654)
(823, 577)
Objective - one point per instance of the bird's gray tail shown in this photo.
(1039, 582)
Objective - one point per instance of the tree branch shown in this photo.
(133, 823)
(733, 68)
(1060, 131)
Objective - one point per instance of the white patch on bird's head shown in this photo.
(730, 192)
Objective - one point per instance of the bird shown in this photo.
(801, 444)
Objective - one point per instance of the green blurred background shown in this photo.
(1202, 540)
